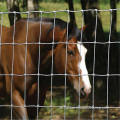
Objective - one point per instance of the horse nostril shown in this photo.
(87, 91)
(82, 90)
(82, 93)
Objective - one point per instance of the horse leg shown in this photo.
(32, 100)
(1, 89)
(19, 112)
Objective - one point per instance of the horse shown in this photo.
(33, 50)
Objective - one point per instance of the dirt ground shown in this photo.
(69, 114)
(81, 114)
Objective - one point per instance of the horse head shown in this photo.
(70, 59)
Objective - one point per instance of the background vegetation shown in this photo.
(52, 5)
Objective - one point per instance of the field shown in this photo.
(58, 93)
(50, 6)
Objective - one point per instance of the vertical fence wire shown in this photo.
(66, 43)
(12, 77)
(52, 65)
(39, 66)
(80, 42)
(108, 64)
(1, 32)
(93, 97)
(25, 64)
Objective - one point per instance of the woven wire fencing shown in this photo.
(61, 101)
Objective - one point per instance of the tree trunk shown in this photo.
(101, 50)
(9, 4)
(90, 18)
(72, 14)
(24, 5)
(114, 69)
(13, 5)
(93, 34)
(114, 17)
(33, 5)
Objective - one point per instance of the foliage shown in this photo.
(51, 6)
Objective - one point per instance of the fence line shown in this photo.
(93, 75)
(75, 11)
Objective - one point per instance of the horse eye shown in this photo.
(70, 52)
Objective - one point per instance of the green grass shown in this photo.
(50, 6)
(59, 100)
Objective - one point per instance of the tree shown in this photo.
(24, 4)
(90, 18)
(94, 32)
(101, 51)
(114, 69)
(33, 5)
(114, 18)
(71, 8)
(13, 5)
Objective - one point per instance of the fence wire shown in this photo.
(92, 75)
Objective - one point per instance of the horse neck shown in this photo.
(45, 33)
(3, 32)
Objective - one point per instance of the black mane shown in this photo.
(62, 24)
(58, 22)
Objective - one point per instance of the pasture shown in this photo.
(50, 6)
(71, 99)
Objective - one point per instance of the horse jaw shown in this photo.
(82, 66)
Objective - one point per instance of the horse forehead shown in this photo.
(82, 50)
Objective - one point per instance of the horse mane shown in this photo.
(58, 22)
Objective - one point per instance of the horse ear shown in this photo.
(87, 33)
(71, 28)
(83, 28)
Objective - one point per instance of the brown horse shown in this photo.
(30, 55)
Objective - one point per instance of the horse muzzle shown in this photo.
(85, 92)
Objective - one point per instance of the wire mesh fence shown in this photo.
(36, 85)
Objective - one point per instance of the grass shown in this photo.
(59, 100)
(50, 6)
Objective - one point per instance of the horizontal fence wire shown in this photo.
(53, 43)
(35, 43)
(77, 11)
(67, 107)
